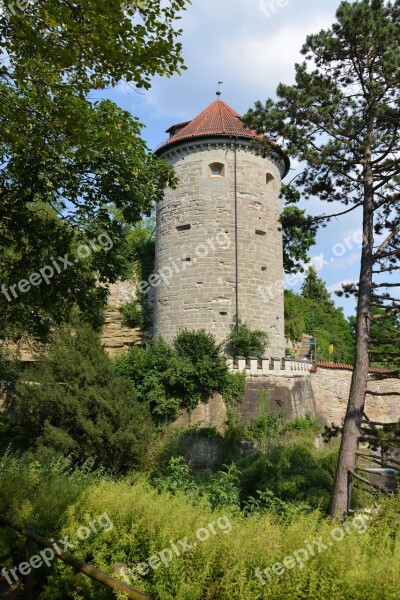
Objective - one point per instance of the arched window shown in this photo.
(217, 170)
(270, 181)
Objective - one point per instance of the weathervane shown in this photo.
(219, 91)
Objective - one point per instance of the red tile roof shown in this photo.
(216, 119)
(332, 365)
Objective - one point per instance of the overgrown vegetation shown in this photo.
(179, 376)
(145, 521)
(314, 313)
(73, 403)
(243, 341)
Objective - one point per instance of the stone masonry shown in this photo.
(331, 388)
(196, 240)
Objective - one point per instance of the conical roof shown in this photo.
(217, 119)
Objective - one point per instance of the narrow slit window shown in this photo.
(183, 227)
(223, 314)
(260, 232)
(269, 181)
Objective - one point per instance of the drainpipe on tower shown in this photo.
(236, 237)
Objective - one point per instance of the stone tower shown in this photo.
(219, 241)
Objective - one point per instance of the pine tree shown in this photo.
(341, 117)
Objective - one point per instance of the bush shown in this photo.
(178, 376)
(73, 402)
(293, 472)
(132, 313)
(243, 341)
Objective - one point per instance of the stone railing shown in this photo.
(283, 367)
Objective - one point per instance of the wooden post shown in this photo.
(77, 564)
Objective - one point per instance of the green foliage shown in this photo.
(178, 478)
(142, 247)
(294, 320)
(299, 235)
(137, 41)
(223, 489)
(314, 288)
(243, 341)
(235, 388)
(65, 159)
(322, 319)
(10, 370)
(385, 338)
(293, 472)
(73, 403)
(133, 314)
(265, 426)
(178, 376)
(145, 521)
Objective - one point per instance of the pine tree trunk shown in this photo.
(341, 494)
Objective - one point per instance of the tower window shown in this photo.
(217, 170)
(259, 232)
(270, 181)
(183, 227)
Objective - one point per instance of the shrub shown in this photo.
(132, 313)
(224, 488)
(73, 402)
(293, 472)
(243, 341)
(178, 376)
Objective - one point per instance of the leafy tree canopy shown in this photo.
(64, 160)
(92, 44)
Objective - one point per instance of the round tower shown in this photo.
(218, 239)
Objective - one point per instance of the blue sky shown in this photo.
(252, 46)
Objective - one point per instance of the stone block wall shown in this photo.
(331, 389)
(195, 246)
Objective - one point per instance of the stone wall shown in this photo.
(117, 336)
(195, 246)
(209, 412)
(270, 393)
(331, 388)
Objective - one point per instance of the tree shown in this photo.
(324, 321)
(299, 233)
(341, 118)
(73, 403)
(55, 185)
(314, 288)
(92, 45)
(63, 159)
